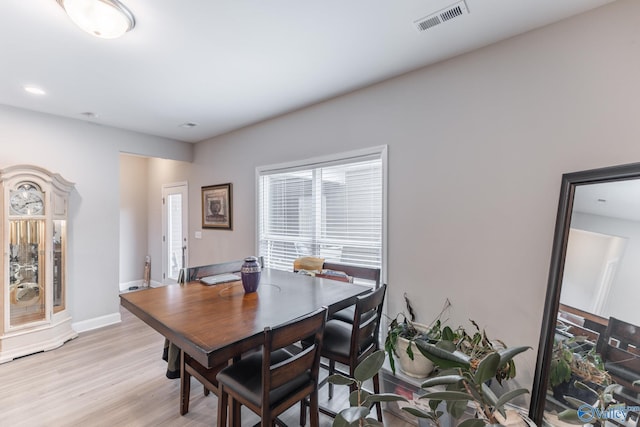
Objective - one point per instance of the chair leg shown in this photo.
(266, 417)
(332, 370)
(303, 412)
(376, 390)
(235, 413)
(223, 402)
(314, 409)
(185, 385)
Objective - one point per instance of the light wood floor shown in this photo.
(113, 376)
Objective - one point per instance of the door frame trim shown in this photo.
(185, 221)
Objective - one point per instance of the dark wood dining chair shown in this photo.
(271, 381)
(188, 366)
(349, 343)
(207, 376)
(366, 273)
(619, 348)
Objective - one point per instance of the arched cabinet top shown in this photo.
(37, 173)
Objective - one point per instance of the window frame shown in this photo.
(380, 152)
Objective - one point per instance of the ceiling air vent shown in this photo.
(446, 14)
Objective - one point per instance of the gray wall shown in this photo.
(89, 156)
(477, 147)
(133, 218)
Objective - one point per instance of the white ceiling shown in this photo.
(224, 64)
(617, 199)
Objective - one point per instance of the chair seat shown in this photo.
(245, 378)
(337, 339)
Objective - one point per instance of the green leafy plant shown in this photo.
(465, 380)
(360, 400)
(475, 346)
(478, 345)
(587, 366)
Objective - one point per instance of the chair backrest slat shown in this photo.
(280, 337)
(291, 368)
(366, 273)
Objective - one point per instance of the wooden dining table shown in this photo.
(214, 324)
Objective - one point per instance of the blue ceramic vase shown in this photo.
(250, 273)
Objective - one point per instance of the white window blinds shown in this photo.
(331, 209)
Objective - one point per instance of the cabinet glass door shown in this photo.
(59, 251)
(26, 275)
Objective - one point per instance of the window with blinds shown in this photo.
(331, 209)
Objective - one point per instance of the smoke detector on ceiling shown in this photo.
(448, 13)
(188, 125)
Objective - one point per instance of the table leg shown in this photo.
(185, 385)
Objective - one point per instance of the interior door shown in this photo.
(175, 213)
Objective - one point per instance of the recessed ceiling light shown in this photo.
(34, 90)
(188, 125)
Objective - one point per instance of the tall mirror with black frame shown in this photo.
(591, 326)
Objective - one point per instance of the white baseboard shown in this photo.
(124, 287)
(110, 319)
(96, 322)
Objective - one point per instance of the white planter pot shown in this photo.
(514, 419)
(420, 366)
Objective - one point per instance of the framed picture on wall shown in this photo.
(217, 207)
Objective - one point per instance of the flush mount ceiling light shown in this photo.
(108, 19)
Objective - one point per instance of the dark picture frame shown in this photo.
(217, 206)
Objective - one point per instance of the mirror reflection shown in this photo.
(602, 264)
(597, 330)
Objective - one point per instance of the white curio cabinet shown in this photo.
(34, 301)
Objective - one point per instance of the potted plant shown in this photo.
(402, 334)
(474, 345)
(568, 367)
(465, 382)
